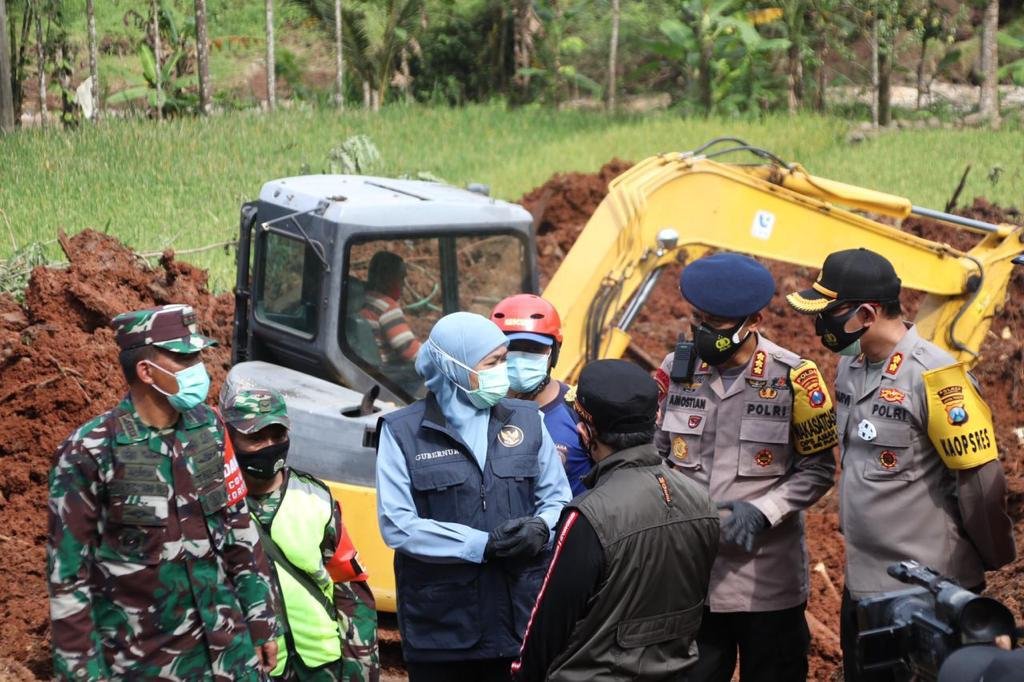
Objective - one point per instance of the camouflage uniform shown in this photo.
(248, 410)
(151, 573)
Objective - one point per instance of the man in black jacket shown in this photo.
(644, 534)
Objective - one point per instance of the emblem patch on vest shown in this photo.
(764, 457)
(887, 459)
(679, 449)
(694, 421)
(510, 436)
(810, 380)
(892, 395)
(952, 398)
(895, 362)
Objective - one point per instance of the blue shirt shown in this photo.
(560, 420)
(402, 528)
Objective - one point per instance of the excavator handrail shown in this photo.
(777, 211)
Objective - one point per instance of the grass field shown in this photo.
(180, 184)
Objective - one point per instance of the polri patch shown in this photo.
(888, 459)
(892, 395)
(764, 457)
(679, 448)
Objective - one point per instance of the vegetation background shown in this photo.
(155, 119)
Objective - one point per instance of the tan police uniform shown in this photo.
(765, 439)
(899, 459)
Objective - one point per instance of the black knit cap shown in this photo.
(616, 396)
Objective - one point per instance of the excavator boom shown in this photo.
(678, 206)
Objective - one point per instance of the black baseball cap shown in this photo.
(616, 396)
(848, 276)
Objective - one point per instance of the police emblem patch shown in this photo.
(888, 459)
(892, 395)
(694, 421)
(510, 436)
(679, 449)
(768, 393)
(764, 457)
(810, 380)
(952, 398)
(756, 383)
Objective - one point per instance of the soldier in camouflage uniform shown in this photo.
(328, 619)
(153, 564)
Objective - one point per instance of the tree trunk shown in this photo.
(522, 46)
(41, 64)
(271, 62)
(6, 93)
(366, 94)
(704, 77)
(875, 56)
(67, 93)
(339, 56)
(94, 58)
(613, 54)
(988, 106)
(203, 59)
(794, 77)
(921, 85)
(154, 8)
(884, 89)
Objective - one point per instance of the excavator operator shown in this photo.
(753, 424)
(534, 332)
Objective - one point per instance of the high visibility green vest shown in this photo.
(298, 529)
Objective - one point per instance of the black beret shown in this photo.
(727, 285)
(616, 396)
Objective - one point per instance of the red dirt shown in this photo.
(561, 208)
(58, 368)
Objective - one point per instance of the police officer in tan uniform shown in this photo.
(754, 424)
(920, 477)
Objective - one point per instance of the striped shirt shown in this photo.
(395, 340)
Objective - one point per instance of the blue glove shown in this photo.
(742, 526)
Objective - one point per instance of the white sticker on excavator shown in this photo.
(764, 223)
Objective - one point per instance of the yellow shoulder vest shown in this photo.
(814, 417)
(959, 422)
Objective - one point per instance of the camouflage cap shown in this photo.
(250, 409)
(171, 327)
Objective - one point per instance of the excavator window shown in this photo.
(289, 289)
(397, 288)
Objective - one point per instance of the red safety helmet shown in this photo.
(530, 317)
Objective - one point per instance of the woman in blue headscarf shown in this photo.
(469, 486)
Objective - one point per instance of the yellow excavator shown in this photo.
(306, 270)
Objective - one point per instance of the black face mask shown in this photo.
(715, 346)
(831, 331)
(265, 462)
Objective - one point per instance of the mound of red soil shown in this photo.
(561, 208)
(58, 368)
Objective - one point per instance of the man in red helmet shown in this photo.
(534, 331)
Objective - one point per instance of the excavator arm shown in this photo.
(678, 206)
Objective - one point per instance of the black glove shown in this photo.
(500, 539)
(522, 537)
(742, 526)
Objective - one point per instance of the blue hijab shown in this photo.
(468, 338)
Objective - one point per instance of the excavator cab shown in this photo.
(335, 274)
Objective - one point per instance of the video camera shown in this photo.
(913, 631)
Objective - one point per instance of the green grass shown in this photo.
(180, 184)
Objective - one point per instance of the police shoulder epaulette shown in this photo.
(570, 394)
(788, 358)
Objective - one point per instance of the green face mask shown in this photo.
(852, 350)
(492, 386)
